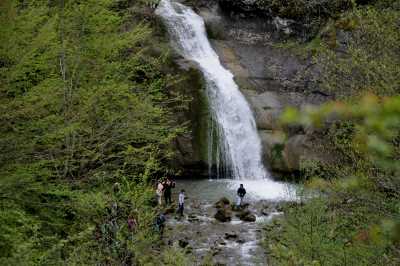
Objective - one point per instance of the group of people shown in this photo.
(164, 189)
(165, 186)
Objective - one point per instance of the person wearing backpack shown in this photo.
(160, 223)
(168, 186)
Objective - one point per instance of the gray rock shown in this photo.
(294, 149)
(267, 108)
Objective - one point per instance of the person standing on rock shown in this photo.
(159, 192)
(181, 201)
(240, 195)
(168, 185)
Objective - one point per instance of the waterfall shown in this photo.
(239, 148)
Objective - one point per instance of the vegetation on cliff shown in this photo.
(86, 102)
(355, 220)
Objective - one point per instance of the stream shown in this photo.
(230, 243)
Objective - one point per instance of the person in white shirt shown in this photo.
(181, 200)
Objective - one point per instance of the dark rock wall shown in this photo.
(191, 147)
(271, 78)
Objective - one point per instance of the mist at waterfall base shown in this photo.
(238, 149)
(209, 191)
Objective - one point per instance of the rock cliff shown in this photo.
(249, 37)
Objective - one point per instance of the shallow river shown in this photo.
(231, 243)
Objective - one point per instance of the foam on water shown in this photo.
(265, 189)
(213, 189)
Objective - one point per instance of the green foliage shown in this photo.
(356, 51)
(336, 231)
(356, 219)
(377, 124)
(372, 56)
(88, 97)
(175, 257)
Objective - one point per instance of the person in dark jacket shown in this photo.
(240, 195)
(160, 223)
(168, 185)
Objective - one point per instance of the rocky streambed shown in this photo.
(237, 241)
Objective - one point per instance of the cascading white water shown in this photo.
(239, 145)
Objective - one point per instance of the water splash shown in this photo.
(239, 149)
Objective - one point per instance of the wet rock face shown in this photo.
(271, 78)
(244, 34)
(191, 148)
(283, 21)
(245, 6)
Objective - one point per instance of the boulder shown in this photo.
(222, 203)
(268, 209)
(231, 235)
(249, 218)
(246, 216)
(224, 210)
(223, 215)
